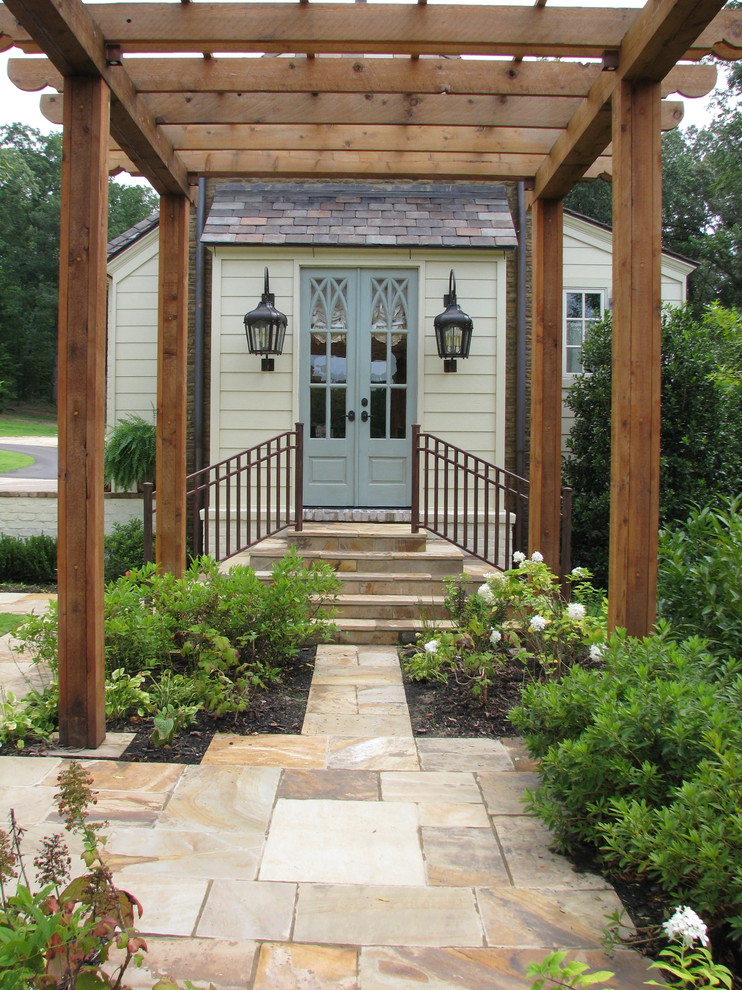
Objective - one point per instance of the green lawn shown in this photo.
(9, 622)
(11, 460)
(29, 425)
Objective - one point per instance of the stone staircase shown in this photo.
(392, 579)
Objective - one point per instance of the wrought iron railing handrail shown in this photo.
(242, 499)
(474, 504)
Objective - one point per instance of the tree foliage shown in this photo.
(30, 180)
(702, 199)
(701, 429)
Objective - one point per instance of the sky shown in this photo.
(18, 106)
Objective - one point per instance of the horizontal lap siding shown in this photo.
(462, 408)
(248, 405)
(132, 332)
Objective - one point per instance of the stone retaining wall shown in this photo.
(31, 513)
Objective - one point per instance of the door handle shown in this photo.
(351, 416)
(364, 416)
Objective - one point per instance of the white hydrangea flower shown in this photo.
(579, 572)
(575, 611)
(686, 926)
(431, 646)
(495, 636)
(485, 593)
(596, 652)
(537, 623)
(494, 577)
(518, 557)
(537, 557)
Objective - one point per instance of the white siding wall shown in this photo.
(132, 331)
(248, 405)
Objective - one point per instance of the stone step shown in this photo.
(408, 607)
(382, 632)
(390, 583)
(443, 560)
(386, 539)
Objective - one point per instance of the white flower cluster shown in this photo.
(431, 646)
(495, 636)
(686, 926)
(518, 557)
(537, 558)
(575, 611)
(485, 593)
(596, 652)
(579, 572)
(537, 623)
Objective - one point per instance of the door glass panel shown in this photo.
(317, 416)
(318, 358)
(399, 358)
(378, 413)
(398, 415)
(337, 413)
(338, 357)
(378, 357)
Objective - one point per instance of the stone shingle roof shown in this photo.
(117, 244)
(361, 215)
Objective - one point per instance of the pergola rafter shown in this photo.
(362, 90)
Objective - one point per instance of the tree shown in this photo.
(701, 428)
(701, 199)
(30, 180)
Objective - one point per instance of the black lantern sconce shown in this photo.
(265, 329)
(453, 329)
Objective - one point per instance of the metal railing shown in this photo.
(472, 503)
(243, 499)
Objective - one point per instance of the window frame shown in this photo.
(567, 347)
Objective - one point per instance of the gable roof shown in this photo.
(380, 214)
(118, 244)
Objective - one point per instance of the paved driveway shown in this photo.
(42, 449)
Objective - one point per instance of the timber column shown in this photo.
(172, 384)
(545, 474)
(81, 410)
(637, 344)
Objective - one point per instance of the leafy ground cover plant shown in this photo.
(64, 932)
(175, 646)
(28, 560)
(517, 613)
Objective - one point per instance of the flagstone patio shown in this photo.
(351, 857)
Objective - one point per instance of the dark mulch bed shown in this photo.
(29, 589)
(438, 709)
(278, 709)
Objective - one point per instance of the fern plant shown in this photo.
(129, 458)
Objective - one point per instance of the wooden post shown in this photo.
(635, 430)
(546, 382)
(81, 411)
(171, 384)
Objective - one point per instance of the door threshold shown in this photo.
(352, 514)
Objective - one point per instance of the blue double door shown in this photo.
(358, 358)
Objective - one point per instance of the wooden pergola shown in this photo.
(365, 90)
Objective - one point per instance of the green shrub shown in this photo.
(700, 576)
(205, 640)
(130, 453)
(632, 749)
(519, 613)
(123, 549)
(701, 429)
(28, 560)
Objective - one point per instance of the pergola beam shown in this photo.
(653, 43)
(361, 75)
(76, 46)
(386, 29)
(196, 114)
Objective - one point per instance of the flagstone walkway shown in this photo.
(351, 857)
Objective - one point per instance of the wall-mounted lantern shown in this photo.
(265, 328)
(453, 329)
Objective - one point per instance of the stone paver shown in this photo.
(353, 856)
